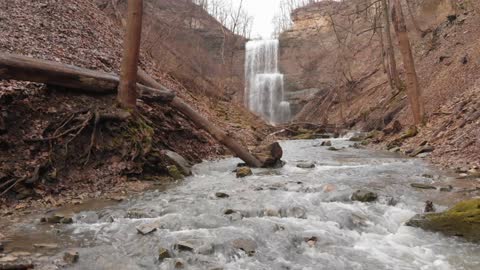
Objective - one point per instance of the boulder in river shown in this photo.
(364, 196)
(163, 254)
(221, 195)
(58, 218)
(244, 172)
(71, 257)
(306, 165)
(182, 164)
(422, 150)
(326, 143)
(461, 220)
(145, 229)
(447, 188)
(184, 246)
(269, 155)
(1, 247)
(247, 245)
(422, 186)
(429, 207)
(174, 172)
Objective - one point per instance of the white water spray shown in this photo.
(264, 90)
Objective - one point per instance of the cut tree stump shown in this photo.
(22, 68)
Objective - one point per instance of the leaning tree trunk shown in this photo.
(413, 88)
(390, 52)
(221, 136)
(127, 94)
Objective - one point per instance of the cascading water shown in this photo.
(264, 91)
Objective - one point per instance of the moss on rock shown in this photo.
(462, 220)
(174, 172)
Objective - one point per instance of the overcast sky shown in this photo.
(263, 12)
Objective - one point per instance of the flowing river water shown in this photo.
(287, 218)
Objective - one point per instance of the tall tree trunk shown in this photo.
(390, 52)
(127, 94)
(412, 17)
(413, 88)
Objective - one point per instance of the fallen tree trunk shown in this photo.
(22, 68)
(221, 136)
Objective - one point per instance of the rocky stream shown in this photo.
(300, 216)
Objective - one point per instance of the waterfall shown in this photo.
(264, 88)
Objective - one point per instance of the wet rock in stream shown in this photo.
(163, 254)
(221, 195)
(306, 165)
(58, 218)
(462, 220)
(71, 257)
(180, 162)
(146, 229)
(364, 196)
(246, 245)
(422, 186)
(244, 172)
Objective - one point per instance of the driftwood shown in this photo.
(24, 68)
(221, 136)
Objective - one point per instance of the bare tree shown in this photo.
(413, 87)
(127, 92)
(392, 63)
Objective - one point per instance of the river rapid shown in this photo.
(287, 218)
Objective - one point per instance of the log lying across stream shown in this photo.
(24, 68)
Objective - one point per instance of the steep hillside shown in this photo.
(446, 56)
(78, 32)
(189, 44)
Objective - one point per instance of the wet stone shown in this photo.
(221, 195)
(429, 207)
(179, 265)
(206, 249)
(248, 246)
(71, 257)
(364, 196)
(174, 172)
(311, 241)
(333, 149)
(244, 172)
(422, 186)
(306, 165)
(182, 164)
(184, 246)
(136, 214)
(446, 189)
(229, 212)
(326, 143)
(57, 218)
(145, 229)
(163, 253)
(296, 212)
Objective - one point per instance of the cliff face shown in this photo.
(316, 53)
(336, 76)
